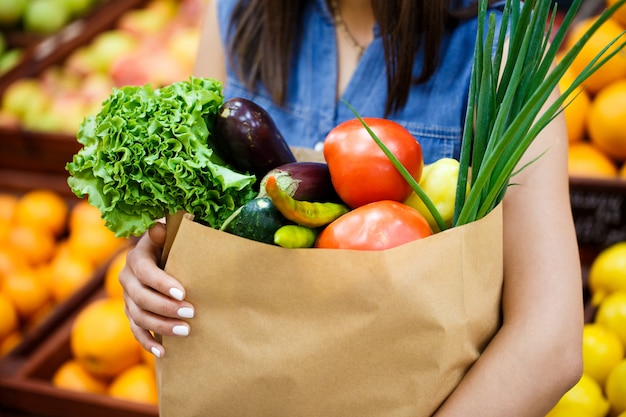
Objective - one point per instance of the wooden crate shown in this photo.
(31, 151)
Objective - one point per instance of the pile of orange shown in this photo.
(105, 357)
(49, 248)
(596, 112)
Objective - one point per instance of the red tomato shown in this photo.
(360, 171)
(375, 226)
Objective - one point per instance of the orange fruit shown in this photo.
(606, 120)
(112, 285)
(614, 69)
(622, 172)
(72, 376)
(7, 206)
(10, 260)
(68, 273)
(10, 342)
(9, 320)
(137, 383)
(5, 230)
(36, 244)
(83, 215)
(576, 108)
(62, 248)
(101, 339)
(97, 244)
(620, 14)
(42, 208)
(586, 161)
(27, 292)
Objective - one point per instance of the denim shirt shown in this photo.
(435, 110)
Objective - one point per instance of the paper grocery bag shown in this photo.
(332, 333)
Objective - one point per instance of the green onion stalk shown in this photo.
(507, 94)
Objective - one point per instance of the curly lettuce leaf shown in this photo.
(146, 154)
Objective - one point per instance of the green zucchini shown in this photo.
(257, 220)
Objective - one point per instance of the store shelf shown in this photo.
(43, 152)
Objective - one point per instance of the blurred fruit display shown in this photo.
(596, 112)
(47, 358)
(105, 357)
(42, 17)
(90, 363)
(9, 55)
(25, 22)
(601, 392)
(49, 250)
(153, 44)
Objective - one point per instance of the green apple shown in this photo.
(45, 16)
(10, 59)
(21, 95)
(109, 46)
(77, 7)
(11, 11)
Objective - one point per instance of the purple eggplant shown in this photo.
(306, 181)
(246, 136)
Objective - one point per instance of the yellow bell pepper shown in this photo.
(438, 181)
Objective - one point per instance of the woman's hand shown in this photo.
(154, 299)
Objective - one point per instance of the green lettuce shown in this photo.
(146, 154)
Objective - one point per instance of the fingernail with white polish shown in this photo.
(181, 330)
(185, 312)
(156, 352)
(176, 293)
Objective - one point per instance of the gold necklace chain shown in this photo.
(339, 23)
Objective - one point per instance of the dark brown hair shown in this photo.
(269, 28)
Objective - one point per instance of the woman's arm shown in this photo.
(210, 59)
(155, 300)
(536, 355)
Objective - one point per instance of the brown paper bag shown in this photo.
(332, 333)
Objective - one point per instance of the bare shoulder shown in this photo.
(210, 60)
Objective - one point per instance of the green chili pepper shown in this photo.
(304, 213)
(295, 236)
